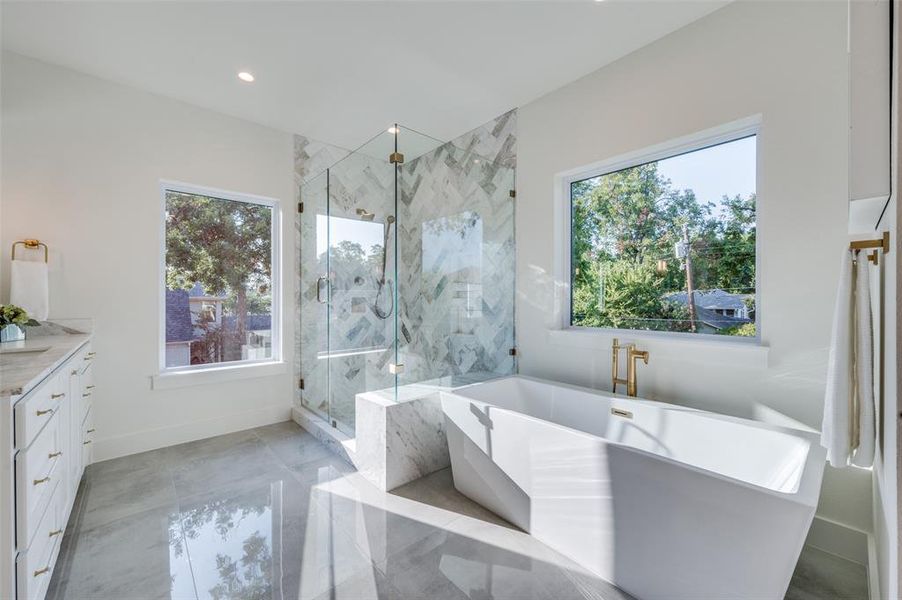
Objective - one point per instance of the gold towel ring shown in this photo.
(31, 245)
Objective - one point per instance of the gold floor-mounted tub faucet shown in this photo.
(632, 355)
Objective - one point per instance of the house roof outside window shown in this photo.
(715, 299)
(178, 317)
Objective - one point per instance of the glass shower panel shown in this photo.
(313, 344)
(361, 225)
(457, 267)
(407, 259)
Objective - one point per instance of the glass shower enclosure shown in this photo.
(406, 271)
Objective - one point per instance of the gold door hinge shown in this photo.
(300, 207)
(301, 383)
(512, 352)
(396, 158)
(513, 193)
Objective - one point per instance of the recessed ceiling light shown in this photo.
(246, 77)
(392, 130)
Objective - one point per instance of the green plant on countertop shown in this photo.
(10, 314)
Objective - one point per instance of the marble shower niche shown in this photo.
(409, 263)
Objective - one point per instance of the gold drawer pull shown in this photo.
(85, 395)
(41, 413)
(91, 353)
(89, 358)
(40, 572)
(86, 443)
(54, 454)
(44, 480)
(55, 533)
(75, 372)
(92, 430)
(89, 387)
(55, 396)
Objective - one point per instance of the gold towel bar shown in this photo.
(881, 243)
(31, 245)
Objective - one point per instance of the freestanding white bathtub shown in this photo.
(664, 501)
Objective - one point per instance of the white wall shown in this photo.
(81, 163)
(886, 464)
(886, 515)
(785, 61)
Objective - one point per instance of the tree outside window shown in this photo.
(218, 263)
(668, 245)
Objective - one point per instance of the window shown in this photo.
(220, 279)
(667, 242)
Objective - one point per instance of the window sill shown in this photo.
(177, 379)
(747, 352)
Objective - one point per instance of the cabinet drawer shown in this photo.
(86, 393)
(34, 567)
(84, 358)
(39, 469)
(88, 440)
(34, 411)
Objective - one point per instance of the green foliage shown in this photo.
(625, 226)
(10, 314)
(744, 330)
(223, 244)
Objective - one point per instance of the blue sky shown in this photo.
(727, 169)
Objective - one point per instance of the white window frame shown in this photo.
(175, 376)
(563, 224)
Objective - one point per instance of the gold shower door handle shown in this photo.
(319, 289)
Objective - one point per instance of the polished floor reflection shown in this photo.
(270, 513)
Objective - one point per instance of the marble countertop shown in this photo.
(19, 372)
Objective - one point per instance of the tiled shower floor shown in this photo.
(270, 513)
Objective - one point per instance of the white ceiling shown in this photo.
(341, 71)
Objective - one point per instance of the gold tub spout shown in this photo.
(632, 355)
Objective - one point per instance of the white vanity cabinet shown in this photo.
(49, 441)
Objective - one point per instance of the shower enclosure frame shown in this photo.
(345, 347)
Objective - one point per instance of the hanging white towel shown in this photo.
(848, 427)
(835, 430)
(29, 288)
(863, 454)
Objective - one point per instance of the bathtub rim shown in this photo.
(807, 493)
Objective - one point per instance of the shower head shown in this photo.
(365, 215)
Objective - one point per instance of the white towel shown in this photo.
(863, 455)
(848, 426)
(29, 289)
(835, 435)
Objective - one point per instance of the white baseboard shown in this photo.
(849, 543)
(152, 439)
(841, 540)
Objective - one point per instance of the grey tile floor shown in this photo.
(270, 513)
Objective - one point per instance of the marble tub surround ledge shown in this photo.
(398, 440)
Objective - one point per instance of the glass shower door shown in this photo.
(353, 277)
(313, 314)
(361, 224)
